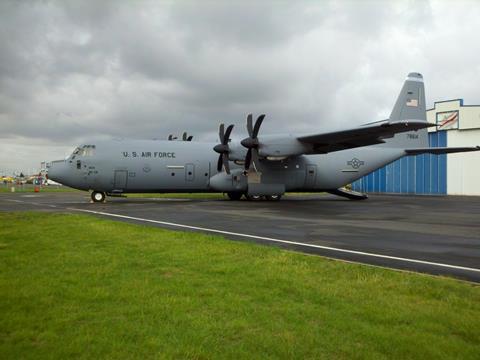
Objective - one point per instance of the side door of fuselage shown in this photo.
(190, 173)
(120, 179)
(311, 176)
(197, 175)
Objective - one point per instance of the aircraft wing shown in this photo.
(369, 134)
(441, 150)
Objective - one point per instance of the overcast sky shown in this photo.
(77, 70)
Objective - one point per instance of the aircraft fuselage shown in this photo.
(127, 166)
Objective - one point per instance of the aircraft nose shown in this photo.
(57, 171)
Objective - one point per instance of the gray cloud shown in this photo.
(77, 70)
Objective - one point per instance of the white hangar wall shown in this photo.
(462, 125)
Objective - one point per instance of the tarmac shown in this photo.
(431, 234)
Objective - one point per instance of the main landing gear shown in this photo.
(273, 197)
(238, 195)
(261, 197)
(98, 196)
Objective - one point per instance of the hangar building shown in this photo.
(452, 174)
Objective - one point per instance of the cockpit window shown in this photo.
(84, 150)
(88, 150)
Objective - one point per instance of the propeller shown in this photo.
(185, 138)
(251, 142)
(223, 149)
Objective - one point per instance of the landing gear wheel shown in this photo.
(253, 197)
(234, 195)
(273, 197)
(98, 196)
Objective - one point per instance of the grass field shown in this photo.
(30, 188)
(74, 285)
(213, 196)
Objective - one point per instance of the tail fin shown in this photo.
(410, 105)
(411, 101)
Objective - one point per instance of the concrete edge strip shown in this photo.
(279, 240)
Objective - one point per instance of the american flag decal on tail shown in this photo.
(412, 102)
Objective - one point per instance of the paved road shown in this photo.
(437, 235)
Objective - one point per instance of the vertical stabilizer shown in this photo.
(411, 101)
(410, 105)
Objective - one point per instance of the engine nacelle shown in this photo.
(278, 147)
(236, 181)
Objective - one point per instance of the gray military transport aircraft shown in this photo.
(259, 166)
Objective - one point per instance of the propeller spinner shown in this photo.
(251, 142)
(223, 149)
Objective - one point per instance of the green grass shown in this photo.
(30, 188)
(213, 196)
(79, 286)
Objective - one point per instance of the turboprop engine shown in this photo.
(271, 147)
(235, 181)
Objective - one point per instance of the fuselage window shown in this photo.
(79, 164)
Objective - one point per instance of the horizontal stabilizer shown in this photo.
(369, 134)
(441, 150)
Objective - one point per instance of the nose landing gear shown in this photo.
(98, 196)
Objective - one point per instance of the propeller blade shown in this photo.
(221, 132)
(250, 124)
(248, 158)
(190, 138)
(184, 136)
(227, 135)
(255, 158)
(223, 148)
(170, 137)
(219, 163)
(225, 163)
(258, 123)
